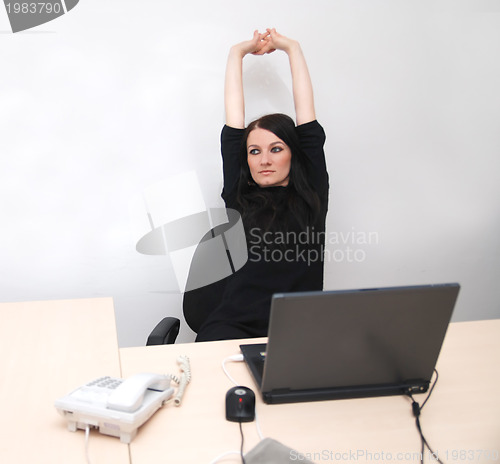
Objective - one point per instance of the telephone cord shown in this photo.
(87, 433)
(185, 367)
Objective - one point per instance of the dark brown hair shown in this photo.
(258, 205)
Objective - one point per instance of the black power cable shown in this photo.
(417, 409)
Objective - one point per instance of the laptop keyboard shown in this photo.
(259, 362)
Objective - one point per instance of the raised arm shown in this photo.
(303, 97)
(233, 89)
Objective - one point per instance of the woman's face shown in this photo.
(269, 158)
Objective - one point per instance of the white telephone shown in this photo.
(116, 407)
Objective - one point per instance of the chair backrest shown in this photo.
(199, 303)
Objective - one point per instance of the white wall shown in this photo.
(117, 95)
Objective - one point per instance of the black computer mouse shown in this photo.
(240, 404)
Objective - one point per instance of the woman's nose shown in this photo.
(265, 159)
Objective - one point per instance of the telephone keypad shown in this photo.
(97, 391)
(105, 382)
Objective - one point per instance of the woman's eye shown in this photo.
(254, 151)
(276, 149)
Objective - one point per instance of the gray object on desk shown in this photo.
(269, 451)
(351, 343)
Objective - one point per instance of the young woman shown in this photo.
(275, 176)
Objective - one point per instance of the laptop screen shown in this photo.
(356, 338)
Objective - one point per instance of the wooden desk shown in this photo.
(461, 420)
(48, 349)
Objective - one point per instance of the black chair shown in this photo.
(197, 304)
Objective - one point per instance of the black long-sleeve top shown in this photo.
(279, 261)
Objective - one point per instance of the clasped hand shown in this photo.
(266, 42)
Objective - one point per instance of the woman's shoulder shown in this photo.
(311, 127)
(231, 139)
(311, 135)
(231, 131)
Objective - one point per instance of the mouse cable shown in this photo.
(242, 443)
(417, 409)
(228, 453)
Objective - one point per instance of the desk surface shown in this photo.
(48, 349)
(461, 420)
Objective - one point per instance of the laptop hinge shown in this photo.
(416, 386)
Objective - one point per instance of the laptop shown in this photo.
(341, 344)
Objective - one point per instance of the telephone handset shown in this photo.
(118, 407)
(129, 394)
